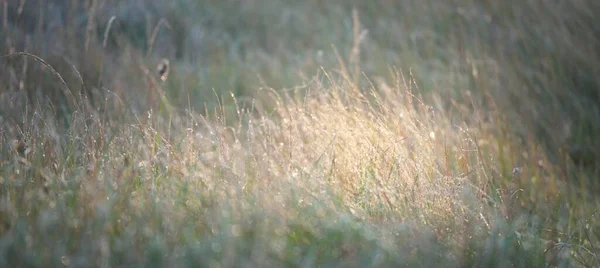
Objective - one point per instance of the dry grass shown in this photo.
(104, 162)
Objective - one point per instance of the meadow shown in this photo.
(270, 133)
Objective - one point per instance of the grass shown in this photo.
(299, 133)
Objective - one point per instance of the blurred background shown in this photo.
(526, 72)
(534, 62)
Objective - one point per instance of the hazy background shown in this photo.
(524, 75)
(537, 60)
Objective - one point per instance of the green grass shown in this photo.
(300, 133)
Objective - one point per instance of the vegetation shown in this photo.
(424, 133)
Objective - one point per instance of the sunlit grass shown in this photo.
(282, 136)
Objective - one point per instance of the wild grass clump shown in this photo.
(282, 137)
(331, 176)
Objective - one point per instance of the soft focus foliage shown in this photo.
(299, 133)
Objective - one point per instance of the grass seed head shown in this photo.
(163, 69)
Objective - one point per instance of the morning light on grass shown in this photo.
(281, 133)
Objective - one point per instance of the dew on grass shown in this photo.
(216, 247)
(65, 260)
(236, 230)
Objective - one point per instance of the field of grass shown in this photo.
(459, 133)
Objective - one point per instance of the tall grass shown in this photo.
(282, 136)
